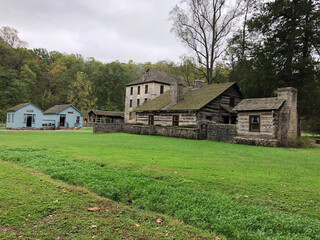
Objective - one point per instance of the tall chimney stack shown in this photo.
(289, 115)
(176, 92)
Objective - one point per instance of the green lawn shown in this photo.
(279, 185)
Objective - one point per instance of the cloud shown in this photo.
(104, 29)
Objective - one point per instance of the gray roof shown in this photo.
(21, 105)
(193, 99)
(152, 75)
(259, 104)
(58, 108)
(107, 113)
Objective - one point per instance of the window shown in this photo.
(175, 120)
(12, 118)
(161, 89)
(231, 103)
(209, 118)
(146, 99)
(138, 102)
(151, 120)
(131, 91)
(146, 89)
(130, 102)
(33, 118)
(226, 119)
(8, 118)
(78, 120)
(138, 90)
(254, 123)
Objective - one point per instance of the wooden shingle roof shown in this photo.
(107, 113)
(21, 105)
(259, 104)
(152, 75)
(58, 108)
(15, 108)
(193, 99)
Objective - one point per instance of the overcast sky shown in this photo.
(107, 30)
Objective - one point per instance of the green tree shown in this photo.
(81, 93)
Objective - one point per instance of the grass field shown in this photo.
(237, 191)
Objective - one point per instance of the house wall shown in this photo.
(153, 91)
(19, 117)
(213, 108)
(70, 118)
(165, 119)
(268, 124)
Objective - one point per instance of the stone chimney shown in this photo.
(176, 92)
(197, 83)
(289, 115)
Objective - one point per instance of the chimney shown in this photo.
(289, 114)
(176, 92)
(197, 83)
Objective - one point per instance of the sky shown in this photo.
(106, 30)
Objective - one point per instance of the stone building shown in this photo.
(268, 121)
(152, 84)
(187, 107)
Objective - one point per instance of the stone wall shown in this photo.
(221, 132)
(189, 133)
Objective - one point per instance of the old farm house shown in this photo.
(63, 116)
(152, 84)
(25, 115)
(188, 106)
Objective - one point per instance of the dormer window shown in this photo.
(161, 89)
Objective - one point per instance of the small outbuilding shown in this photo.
(24, 115)
(100, 116)
(63, 116)
(268, 121)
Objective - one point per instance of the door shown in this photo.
(203, 131)
(29, 121)
(62, 120)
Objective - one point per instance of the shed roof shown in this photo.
(193, 99)
(107, 113)
(256, 104)
(21, 105)
(152, 75)
(58, 108)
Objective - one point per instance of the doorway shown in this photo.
(29, 121)
(62, 120)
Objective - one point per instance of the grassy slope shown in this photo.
(281, 179)
(32, 206)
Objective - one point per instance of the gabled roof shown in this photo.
(107, 113)
(152, 75)
(21, 105)
(193, 99)
(259, 104)
(58, 108)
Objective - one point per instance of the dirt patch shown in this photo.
(4, 229)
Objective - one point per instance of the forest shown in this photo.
(277, 45)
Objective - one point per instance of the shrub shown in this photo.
(301, 142)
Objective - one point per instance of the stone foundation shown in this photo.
(264, 142)
(180, 132)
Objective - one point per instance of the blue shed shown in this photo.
(63, 116)
(24, 115)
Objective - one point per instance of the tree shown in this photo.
(203, 26)
(81, 93)
(10, 36)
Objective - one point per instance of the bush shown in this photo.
(301, 142)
